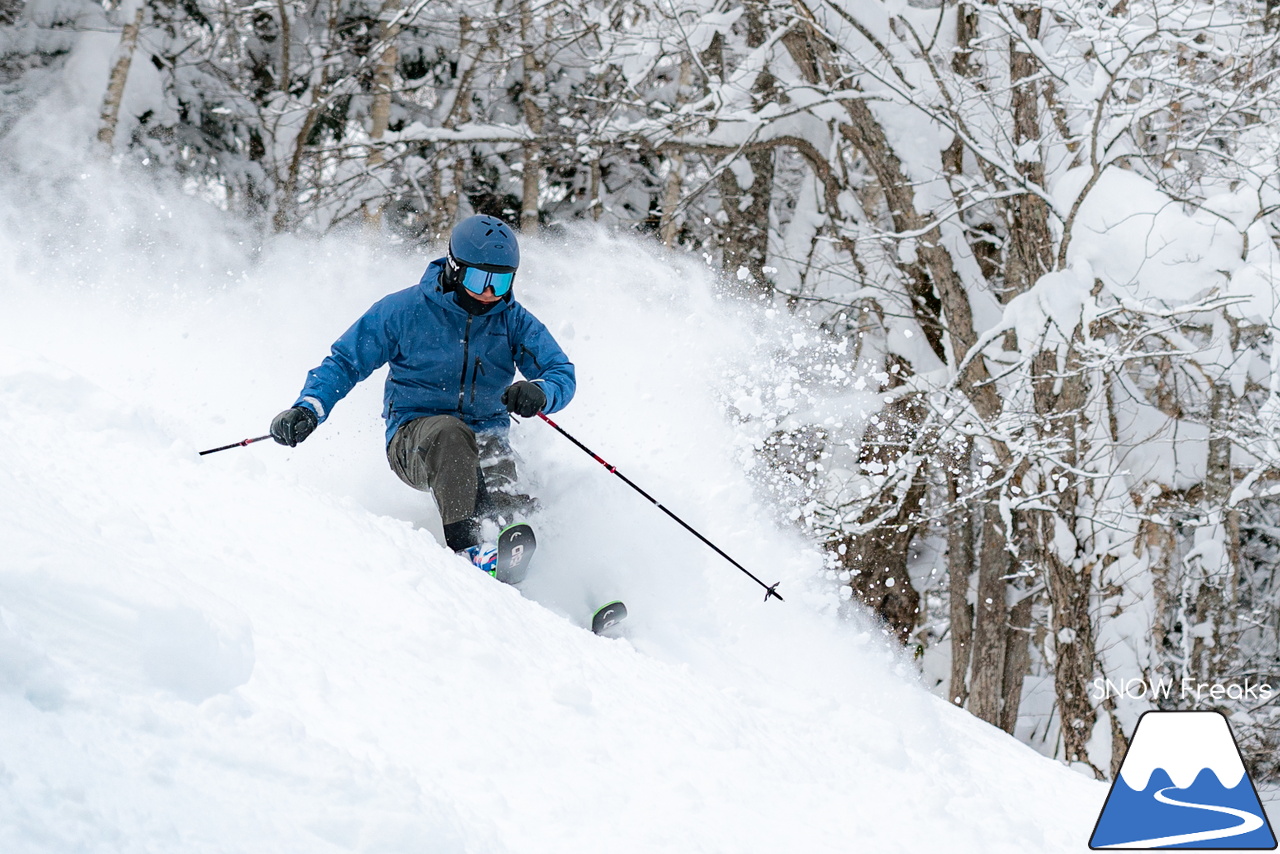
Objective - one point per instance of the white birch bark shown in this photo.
(383, 85)
(110, 116)
(532, 79)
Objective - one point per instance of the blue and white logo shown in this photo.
(1183, 785)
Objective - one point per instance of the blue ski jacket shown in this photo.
(444, 360)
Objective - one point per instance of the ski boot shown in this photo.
(483, 556)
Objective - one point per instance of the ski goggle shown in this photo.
(476, 280)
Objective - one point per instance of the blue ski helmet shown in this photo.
(483, 253)
(485, 242)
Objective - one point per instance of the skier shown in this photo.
(454, 342)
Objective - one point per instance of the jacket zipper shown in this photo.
(466, 352)
(478, 369)
(525, 350)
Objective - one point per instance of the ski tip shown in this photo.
(608, 616)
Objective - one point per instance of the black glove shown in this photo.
(293, 425)
(524, 399)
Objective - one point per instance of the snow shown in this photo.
(708, 25)
(1142, 245)
(1045, 316)
(267, 650)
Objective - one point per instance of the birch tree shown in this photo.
(132, 15)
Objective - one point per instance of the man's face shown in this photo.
(488, 297)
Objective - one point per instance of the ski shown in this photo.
(608, 617)
(516, 544)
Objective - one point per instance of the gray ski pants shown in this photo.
(469, 474)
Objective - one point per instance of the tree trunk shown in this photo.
(1030, 252)
(119, 77)
(283, 218)
(384, 78)
(529, 98)
(596, 204)
(878, 563)
(383, 84)
(1072, 641)
(1213, 645)
(744, 237)
(1017, 661)
(744, 240)
(1059, 397)
(669, 227)
(959, 570)
(986, 685)
(286, 43)
(287, 195)
(878, 558)
(450, 174)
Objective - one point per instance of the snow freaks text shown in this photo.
(1187, 689)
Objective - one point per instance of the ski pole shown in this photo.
(235, 445)
(769, 591)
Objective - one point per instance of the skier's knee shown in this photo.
(451, 428)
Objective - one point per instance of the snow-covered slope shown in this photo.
(266, 650)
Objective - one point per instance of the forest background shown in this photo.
(1036, 245)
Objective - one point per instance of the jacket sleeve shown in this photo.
(540, 359)
(361, 350)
